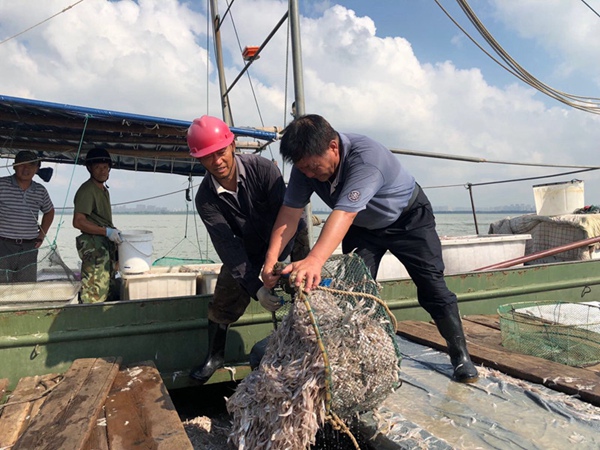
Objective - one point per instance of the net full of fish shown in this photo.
(298, 386)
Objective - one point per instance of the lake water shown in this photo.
(184, 235)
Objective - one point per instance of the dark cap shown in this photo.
(97, 155)
(26, 157)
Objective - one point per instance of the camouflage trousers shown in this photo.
(98, 268)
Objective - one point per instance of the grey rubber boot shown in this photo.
(217, 337)
(450, 327)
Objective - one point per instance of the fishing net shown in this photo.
(568, 333)
(37, 277)
(333, 355)
(169, 261)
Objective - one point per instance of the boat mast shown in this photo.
(296, 57)
(294, 18)
(216, 19)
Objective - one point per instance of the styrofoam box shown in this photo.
(207, 275)
(158, 285)
(464, 253)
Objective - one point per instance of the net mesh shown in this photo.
(168, 261)
(568, 333)
(333, 355)
(37, 277)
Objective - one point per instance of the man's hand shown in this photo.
(268, 301)
(114, 235)
(269, 277)
(305, 274)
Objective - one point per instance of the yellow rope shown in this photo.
(328, 396)
(339, 425)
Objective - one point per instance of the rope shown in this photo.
(313, 320)
(62, 214)
(339, 425)
(60, 378)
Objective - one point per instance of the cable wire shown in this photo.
(583, 103)
(39, 23)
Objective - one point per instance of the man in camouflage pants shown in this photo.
(97, 243)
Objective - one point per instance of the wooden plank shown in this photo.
(489, 320)
(99, 438)
(140, 413)
(68, 415)
(570, 380)
(22, 405)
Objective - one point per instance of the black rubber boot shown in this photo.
(257, 352)
(217, 336)
(450, 327)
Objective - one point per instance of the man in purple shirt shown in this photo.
(377, 206)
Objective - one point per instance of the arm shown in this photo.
(283, 230)
(47, 219)
(81, 222)
(308, 270)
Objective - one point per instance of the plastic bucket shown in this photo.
(556, 199)
(135, 252)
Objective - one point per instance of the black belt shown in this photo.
(412, 199)
(18, 241)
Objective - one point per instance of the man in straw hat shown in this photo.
(21, 233)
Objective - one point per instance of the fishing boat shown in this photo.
(47, 336)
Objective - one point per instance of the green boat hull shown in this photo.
(172, 332)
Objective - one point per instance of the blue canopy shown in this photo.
(64, 133)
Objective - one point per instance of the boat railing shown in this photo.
(541, 254)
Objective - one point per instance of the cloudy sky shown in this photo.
(398, 70)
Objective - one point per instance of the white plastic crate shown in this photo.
(158, 285)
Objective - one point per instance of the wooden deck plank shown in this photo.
(68, 415)
(22, 405)
(99, 438)
(140, 413)
(491, 320)
(485, 348)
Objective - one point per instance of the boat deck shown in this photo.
(96, 404)
(519, 401)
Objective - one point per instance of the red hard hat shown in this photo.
(207, 135)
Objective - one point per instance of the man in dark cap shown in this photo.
(97, 243)
(21, 234)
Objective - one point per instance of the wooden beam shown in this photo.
(22, 405)
(68, 416)
(140, 413)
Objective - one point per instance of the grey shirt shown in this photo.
(370, 180)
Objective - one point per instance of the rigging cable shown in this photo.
(39, 23)
(593, 10)
(587, 104)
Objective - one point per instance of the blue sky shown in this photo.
(397, 70)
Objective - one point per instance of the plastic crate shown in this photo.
(158, 285)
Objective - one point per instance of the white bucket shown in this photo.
(556, 199)
(135, 252)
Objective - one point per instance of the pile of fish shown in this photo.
(282, 404)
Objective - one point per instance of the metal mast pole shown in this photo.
(216, 20)
(299, 87)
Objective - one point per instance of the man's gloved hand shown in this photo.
(114, 235)
(268, 301)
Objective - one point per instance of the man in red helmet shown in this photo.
(238, 202)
